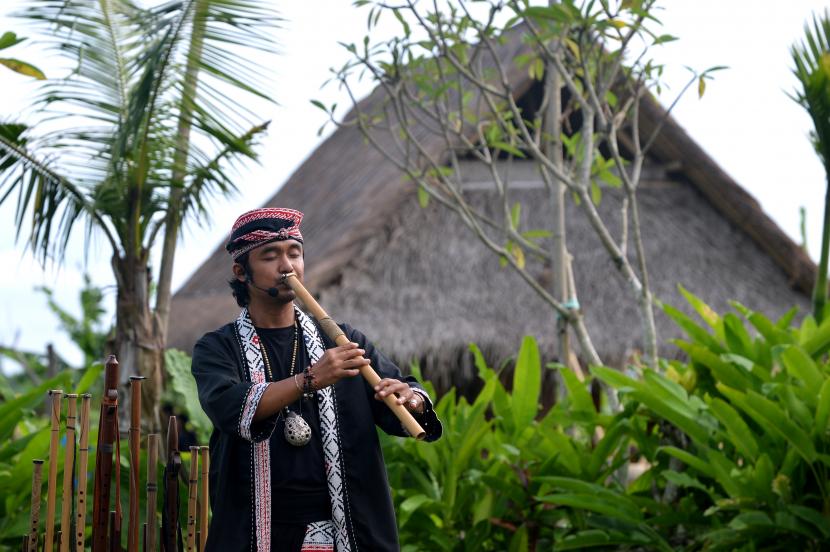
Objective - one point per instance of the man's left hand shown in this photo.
(413, 401)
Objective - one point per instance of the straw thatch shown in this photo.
(419, 284)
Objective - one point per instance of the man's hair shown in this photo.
(240, 289)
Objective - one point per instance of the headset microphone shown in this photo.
(272, 291)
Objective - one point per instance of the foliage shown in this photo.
(136, 139)
(735, 444)
(505, 477)
(455, 84)
(8, 40)
(755, 412)
(25, 436)
(812, 69)
(182, 395)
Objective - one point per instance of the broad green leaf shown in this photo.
(778, 421)
(527, 383)
(9, 39)
(592, 503)
(822, 409)
(689, 459)
(696, 332)
(701, 308)
(519, 541)
(802, 367)
(819, 341)
(508, 148)
(773, 334)
(578, 395)
(739, 433)
(409, 506)
(723, 372)
(683, 479)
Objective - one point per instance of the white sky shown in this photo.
(745, 122)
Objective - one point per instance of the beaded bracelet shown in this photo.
(308, 383)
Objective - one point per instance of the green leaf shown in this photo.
(689, 459)
(694, 330)
(319, 105)
(578, 395)
(423, 197)
(802, 367)
(823, 409)
(518, 543)
(527, 383)
(504, 146)
(593, 503)
(515, 214)
(701, 86)
(739, 433)
(9, 39)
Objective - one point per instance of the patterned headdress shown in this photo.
(262, 226)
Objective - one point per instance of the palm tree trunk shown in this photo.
(139, 344)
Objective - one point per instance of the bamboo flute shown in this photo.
(68, 472)
(170, 533)
(152, 491)
(55, 415)
(83, 460)
(336, 334)
(135, 443)
(192, 490)
(107, 435)
(34, 516)
(203, 511)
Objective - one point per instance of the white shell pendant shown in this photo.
(297, 431)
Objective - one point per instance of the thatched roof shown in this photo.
(419, 284)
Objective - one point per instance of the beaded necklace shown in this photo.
(297, 431)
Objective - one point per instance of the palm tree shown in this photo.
(135, 141)
(812, 68)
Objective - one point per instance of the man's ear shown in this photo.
(239, 273)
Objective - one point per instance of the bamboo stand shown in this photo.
(83, 460)
(68, 472)
(204, 452)
(55, 415)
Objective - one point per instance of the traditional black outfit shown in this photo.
(263, 489)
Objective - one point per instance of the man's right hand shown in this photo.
(338, 363)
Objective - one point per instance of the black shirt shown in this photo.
(298, 477)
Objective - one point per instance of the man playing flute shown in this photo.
(295, 458)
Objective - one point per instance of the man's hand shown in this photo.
(338, 363)
(406, 396)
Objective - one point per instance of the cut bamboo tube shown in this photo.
(135, 468)
(55, 415)
(83, 460)
(34, 516)
(192, 490)
(152, 491)
(204, 452)
(68, 472)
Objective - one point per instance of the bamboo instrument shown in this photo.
(135, 443)
(170, 533)
(55, 415)
(152, 490)
(192, 490)
(334, 332)
(68, 472)
(203, 511)
(107, 435)
(83, 459)
(34, 516)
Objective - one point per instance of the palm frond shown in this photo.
(812, 69)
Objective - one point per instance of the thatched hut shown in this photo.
(421, 286)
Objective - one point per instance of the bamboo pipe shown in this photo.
(68, 472)
(152, 491)
(170, 531)
(336, 334)
(107, 437)
(34, 516)
(203, 511)
(192, 490)
(135, 443)
(55, 415)
(83, 462)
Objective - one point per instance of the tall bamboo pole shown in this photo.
(192, 490)
(152, 490)
(204, 452)
(68, 472)
(107, 444)
(83, 461)
(135, 443)
(34, 516)
(55, 415)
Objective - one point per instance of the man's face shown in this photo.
(268, 263)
